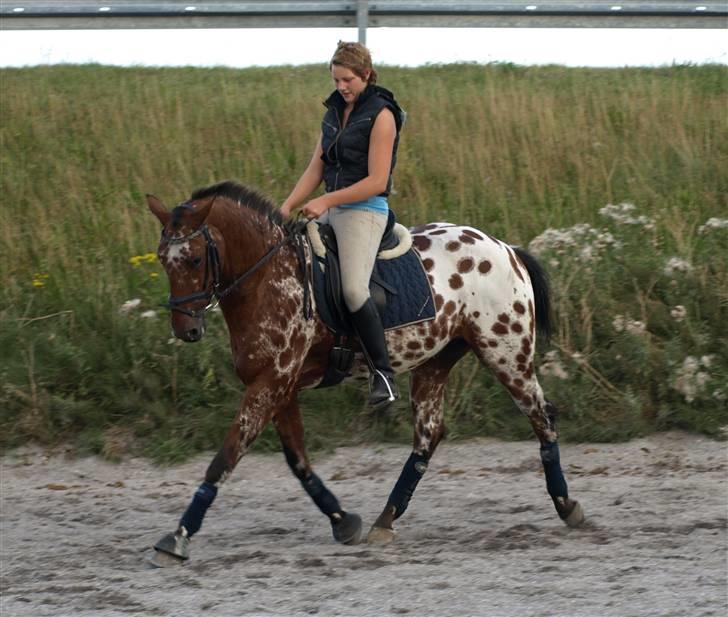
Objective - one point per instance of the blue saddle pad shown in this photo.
(413, 301)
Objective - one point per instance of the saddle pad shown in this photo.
(414, 301)
(403, 281)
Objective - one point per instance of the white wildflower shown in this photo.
(622, 215)
(635, 327)
(587, 253)
(701, 379)
(581, 239)
(713, 223)
(624, 323)
(689, 380)
(691, 365)
(129, 306)
(676, 265)
(553, 366)
(148, 315)
(707, 361)
(678, 313)
(617, 211)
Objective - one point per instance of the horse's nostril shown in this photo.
(193, 334)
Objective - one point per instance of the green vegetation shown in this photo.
(641, 338)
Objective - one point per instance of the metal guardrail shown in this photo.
(130, 14)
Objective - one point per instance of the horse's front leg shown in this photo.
(257, 408)
(346, 526)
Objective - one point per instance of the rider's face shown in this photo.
(348, 83)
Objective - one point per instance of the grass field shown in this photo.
(616, 178)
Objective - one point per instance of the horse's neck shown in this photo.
(269, 293)
(248, 236)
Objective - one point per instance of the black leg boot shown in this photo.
(368, 325)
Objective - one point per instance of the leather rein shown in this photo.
(216, 292)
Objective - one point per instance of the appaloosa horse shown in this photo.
(228, 242)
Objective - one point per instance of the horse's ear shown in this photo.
(197, 218)
(158, 209)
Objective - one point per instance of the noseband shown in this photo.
(212, 273)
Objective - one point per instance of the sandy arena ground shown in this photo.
(481, 537)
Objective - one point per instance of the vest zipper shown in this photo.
(333, 145)
(336, 142)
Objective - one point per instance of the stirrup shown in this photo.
(381, 398)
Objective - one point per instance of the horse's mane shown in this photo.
(243, 195)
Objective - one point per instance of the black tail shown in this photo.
(541, 295)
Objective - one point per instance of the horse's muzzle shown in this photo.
(190, 331)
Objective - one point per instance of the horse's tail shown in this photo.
(541, 293)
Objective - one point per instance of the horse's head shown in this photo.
(190, 257)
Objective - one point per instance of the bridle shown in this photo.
(212, 294)
(215, 293)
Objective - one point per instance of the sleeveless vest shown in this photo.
(346, 151)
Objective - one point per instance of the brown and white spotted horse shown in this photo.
(228, 242)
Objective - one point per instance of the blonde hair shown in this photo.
(356, 58)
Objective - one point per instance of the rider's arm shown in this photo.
(307, 183)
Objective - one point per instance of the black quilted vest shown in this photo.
(346, 151)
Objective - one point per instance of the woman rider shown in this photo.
(354, 156)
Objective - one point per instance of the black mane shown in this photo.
(245, 196)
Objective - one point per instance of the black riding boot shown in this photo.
(368, 325)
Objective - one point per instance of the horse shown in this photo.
(228, 245)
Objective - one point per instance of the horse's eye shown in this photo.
(195, 262)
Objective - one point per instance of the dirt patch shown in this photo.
(481, 536)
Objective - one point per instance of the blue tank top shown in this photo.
(378, 203)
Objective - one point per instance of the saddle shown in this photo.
(398, 286)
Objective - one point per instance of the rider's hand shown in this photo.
(315, 208)
(285, 211)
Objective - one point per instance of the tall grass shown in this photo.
(508, 149)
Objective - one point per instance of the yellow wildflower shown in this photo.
(39, 279)
(138, 260)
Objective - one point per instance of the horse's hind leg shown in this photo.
(515, 371)
(346, 526)
(427, 395)
(543, 421)
(542, 415)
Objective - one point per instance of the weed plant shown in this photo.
(616, 178)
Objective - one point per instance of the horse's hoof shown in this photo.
(175, 545)
(161, 559)
(380, 535)
(576, 516)
(347, 530)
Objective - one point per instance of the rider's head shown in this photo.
(352, 70)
